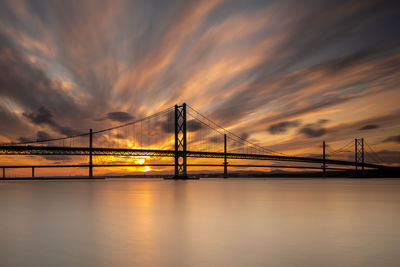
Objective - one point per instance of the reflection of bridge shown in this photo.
(181, 132)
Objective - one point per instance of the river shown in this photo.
(207, 222)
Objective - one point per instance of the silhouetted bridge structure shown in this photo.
(169, 130)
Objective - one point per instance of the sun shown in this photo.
(140, 161)
(146, 169)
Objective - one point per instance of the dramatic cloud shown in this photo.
(369, 127)
(282, 127)
(254, 67)
(28, 86)
(42, 115)
(395, 138)
(119, 116)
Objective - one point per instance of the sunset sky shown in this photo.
(285, 74)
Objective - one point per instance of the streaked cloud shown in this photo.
(271, 70)
(395, 139)
(369, 127)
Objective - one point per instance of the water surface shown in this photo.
(208, 222)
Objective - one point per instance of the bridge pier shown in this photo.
(33, 172)
(4, 173)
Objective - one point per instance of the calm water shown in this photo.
(208, 222)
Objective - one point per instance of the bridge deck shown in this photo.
(50, 150)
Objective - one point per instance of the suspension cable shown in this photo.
(240, 138)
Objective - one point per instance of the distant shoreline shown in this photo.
(387, 173)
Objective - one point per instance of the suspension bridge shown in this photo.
(180, 132)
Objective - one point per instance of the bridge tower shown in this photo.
(91, 153)
(180, 142)
(359, 155)
(225, 161)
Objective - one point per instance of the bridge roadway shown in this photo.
(52, 150)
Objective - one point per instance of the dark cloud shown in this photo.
(119, 116)
(42, 135)
(369, 127)
(282, 127)
(67, 131)
(44, 116)
(313, 131)
(395, 138)
(193, 125)
(40, 116)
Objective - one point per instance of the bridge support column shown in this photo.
(33, 172)
(90, 153)
(4, 173)
(225, 162)
(180, 142)
(323, 159)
